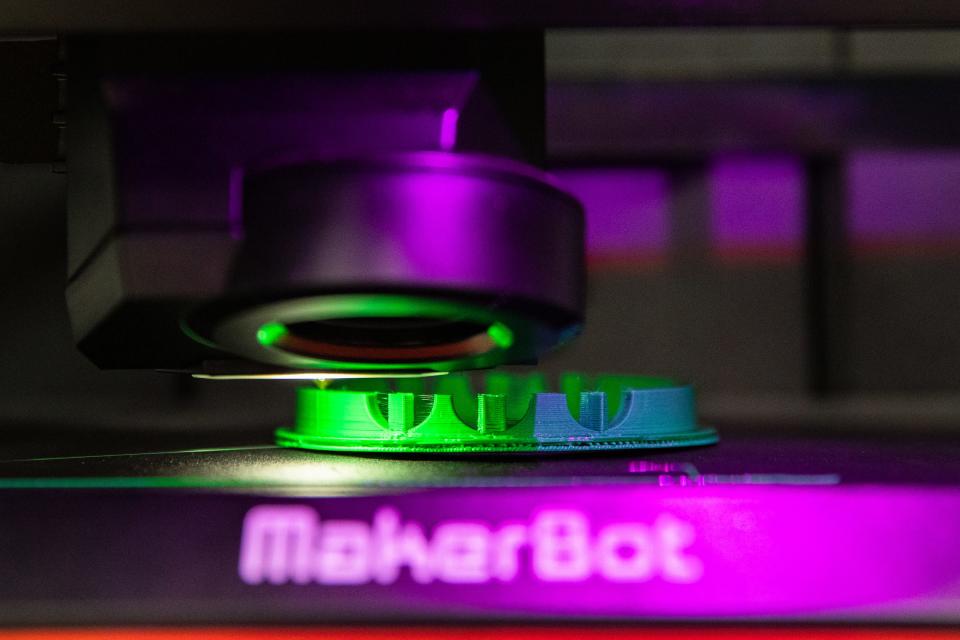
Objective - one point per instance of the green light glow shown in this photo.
(501, 335)
(271, 333)
(507, 334)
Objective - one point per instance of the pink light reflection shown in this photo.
(904, 202)
(626, 213)
(757, 208)
(448, 129)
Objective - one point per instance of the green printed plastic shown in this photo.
(509, 413)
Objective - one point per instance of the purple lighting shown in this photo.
(448, 129)
(290, 543)
(713, 551)
(626, 213)
(235, 203)
(904, 201)
(757, 207)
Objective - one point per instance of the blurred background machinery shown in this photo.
(771, 213)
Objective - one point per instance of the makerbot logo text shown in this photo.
(289, 543)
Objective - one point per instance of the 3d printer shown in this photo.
(358, 201)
